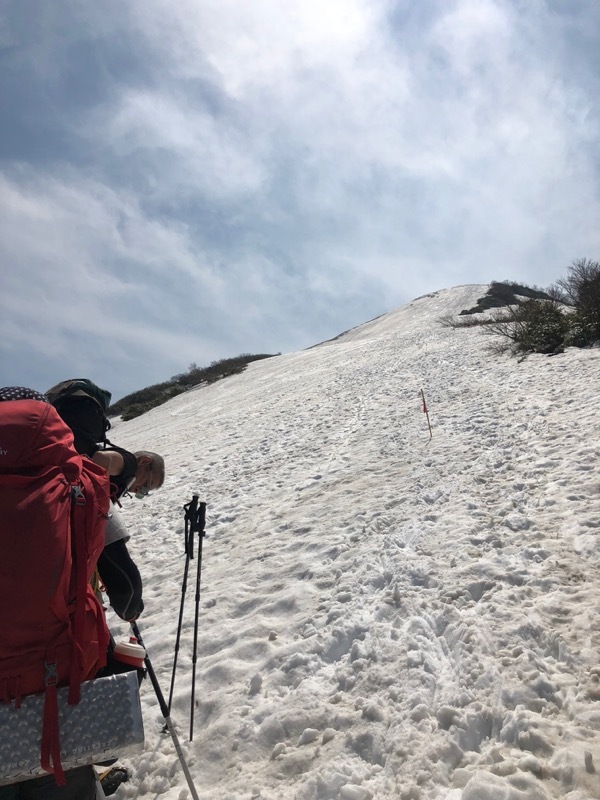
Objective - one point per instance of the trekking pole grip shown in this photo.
(199, 527)
(191, 512)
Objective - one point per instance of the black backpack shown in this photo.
(83, 406)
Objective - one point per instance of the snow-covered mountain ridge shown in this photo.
(382, 616)
(419, 314)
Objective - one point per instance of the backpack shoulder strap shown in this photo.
(123, 481)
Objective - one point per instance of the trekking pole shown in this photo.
(198, 522)
(189, 554)
(165, 712)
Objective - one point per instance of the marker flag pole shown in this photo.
(425, 411)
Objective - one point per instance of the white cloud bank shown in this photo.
(274, 173)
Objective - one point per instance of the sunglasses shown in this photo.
(143, 491)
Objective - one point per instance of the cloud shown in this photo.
(86, 269)
(203, 178)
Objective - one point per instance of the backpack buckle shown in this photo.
(51, 677)
(78, 495)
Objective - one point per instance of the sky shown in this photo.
(383, 615)
(186, 181)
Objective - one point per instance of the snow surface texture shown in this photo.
(381, 616)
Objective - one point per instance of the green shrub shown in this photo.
(542, 327)
(535, 326)
(583, 330)
(136, 410)
(566, 315)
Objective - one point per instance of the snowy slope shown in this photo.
(382, 616)
(420, 314)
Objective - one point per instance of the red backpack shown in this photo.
(53, 507)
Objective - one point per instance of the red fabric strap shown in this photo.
(80, 568)
(50, 733)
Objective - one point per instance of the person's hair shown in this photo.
(158, 463)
